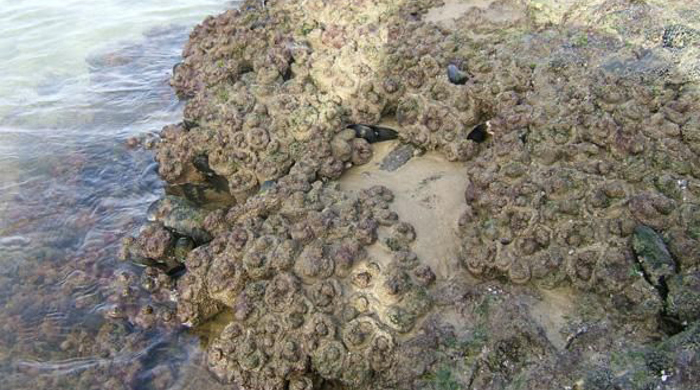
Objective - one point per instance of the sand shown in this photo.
(428, 194)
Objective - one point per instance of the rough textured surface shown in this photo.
(578, 126)
(305, 295)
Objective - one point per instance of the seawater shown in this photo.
(78, 78)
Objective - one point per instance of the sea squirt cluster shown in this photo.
(305, 295)
(582, 154)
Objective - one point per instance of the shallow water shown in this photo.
(79, 78)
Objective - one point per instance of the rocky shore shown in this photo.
(552, 241)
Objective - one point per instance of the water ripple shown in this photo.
(69, 188)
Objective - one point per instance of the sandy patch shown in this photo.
(428, 194)
(494, 11)
(552, 312)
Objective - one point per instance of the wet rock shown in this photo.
(181, 216)
(456, 76)
(684, 296)
(214, 192)
(201, 162)
(182, 248)
(678, 36)
(667, 364)
(651, 252)
(157, 246)
(397, 157)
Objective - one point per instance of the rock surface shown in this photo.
(577, 238)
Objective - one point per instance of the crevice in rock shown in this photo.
(177, 272)
(215, 189)
(479, 134)
(243, 69)
(201, 162)
(288, 74)
(189, 125)
(472, 376)
(332, 385)
(668, 324)
(373, 133)
(389, 113)
(212, 193)
(523, 136)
